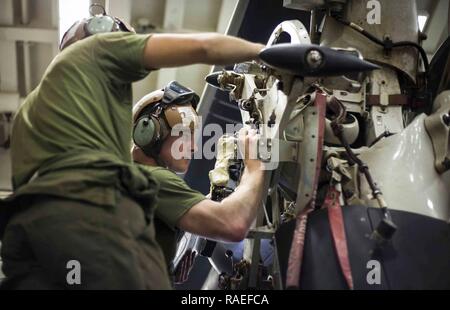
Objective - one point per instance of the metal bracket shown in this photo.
(437, 126)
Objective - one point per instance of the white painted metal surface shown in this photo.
(296, 30)
(403, 167)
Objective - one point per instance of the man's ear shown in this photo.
(135, 150)
(139, 156)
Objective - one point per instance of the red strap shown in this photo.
(335, 217)
(336, 220)
(296, 252)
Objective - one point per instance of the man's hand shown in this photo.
(231, 219)
(248, 146)
(185, 267)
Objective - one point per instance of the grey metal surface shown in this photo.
(398, 22)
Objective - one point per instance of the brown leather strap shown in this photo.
(336, 220)
(393, 100)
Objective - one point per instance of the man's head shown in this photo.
(164, 124)
(97, 23)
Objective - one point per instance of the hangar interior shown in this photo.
(30, 31)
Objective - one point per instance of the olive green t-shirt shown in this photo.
(174, 199)
(72, 135)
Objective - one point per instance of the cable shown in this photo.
(385, 134)
(388, 44)
(386, 227)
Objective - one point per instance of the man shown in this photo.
(159, 146)
(82, 213)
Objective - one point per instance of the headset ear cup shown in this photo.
(100, 24)
(146, 132)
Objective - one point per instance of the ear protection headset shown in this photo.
(156, 113)
(150, 130)
(97, 23)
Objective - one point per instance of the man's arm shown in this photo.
(173, 50)
(230, 219)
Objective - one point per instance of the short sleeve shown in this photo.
(121, 56)
(174, 198)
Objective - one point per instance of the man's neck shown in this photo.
(141, 158)
(148, 161)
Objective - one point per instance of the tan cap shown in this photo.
(148, 100)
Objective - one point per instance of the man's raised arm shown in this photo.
(173, 50)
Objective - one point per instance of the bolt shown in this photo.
(314, 59)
